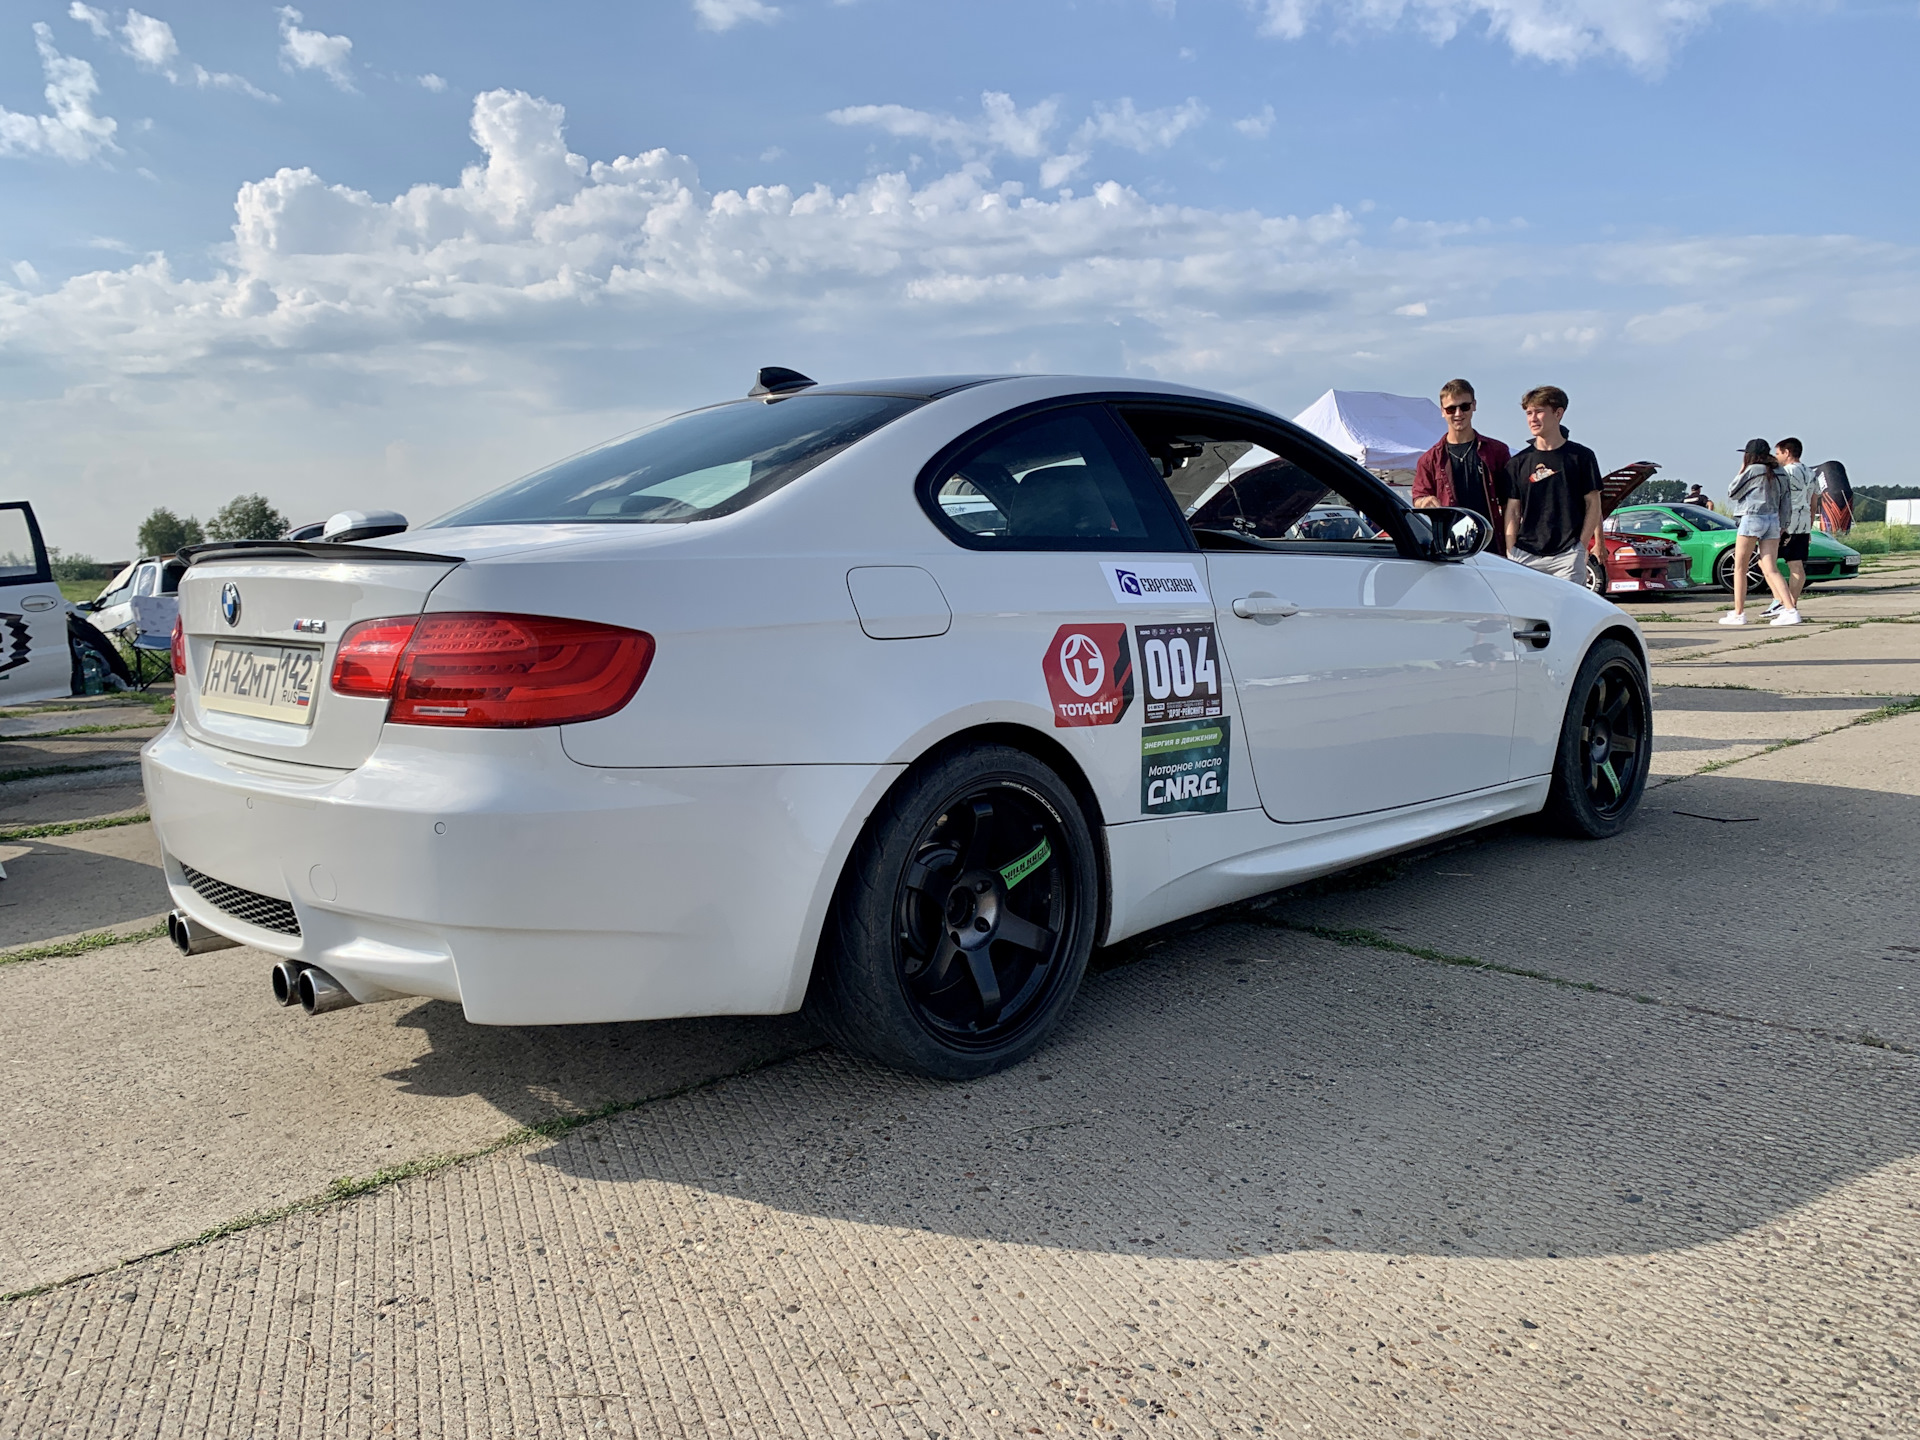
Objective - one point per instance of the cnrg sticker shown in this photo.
(1181, 672)
(1154, 582)
(1089, 672)
(1183, 767)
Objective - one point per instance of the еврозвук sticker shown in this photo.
(1183, 767)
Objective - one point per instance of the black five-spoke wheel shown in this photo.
(964, 924)
(1605, 744)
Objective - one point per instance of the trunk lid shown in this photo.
(1617, 485)
(294, 595)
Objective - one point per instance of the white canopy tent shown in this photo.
(1383, 432)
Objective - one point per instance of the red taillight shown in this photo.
(465, 668)
(179, 646)
(369, 657)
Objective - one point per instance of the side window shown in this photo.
(21, 556)
(1058, 480)
(1639, 522)
(146, 579)
(1235, 480)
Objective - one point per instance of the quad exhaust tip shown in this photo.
(190, 937)
(286, 982)
(318, 991)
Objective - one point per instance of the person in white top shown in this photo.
(1796, 520)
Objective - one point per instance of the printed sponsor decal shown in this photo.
(1183, 767)
(1182, 673)
(1089, 670)
(1154, 582)
(1020, 869)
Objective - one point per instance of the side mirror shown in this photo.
(1445, 533)
(1675, 529)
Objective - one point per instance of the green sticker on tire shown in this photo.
(1028, 863)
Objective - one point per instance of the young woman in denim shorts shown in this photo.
(1756, 494)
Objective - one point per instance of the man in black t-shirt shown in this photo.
(1550, 492)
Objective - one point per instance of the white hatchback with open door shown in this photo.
(36, 662)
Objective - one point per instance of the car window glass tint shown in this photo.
(17, 558)
(1638, 522)
(144, 582)
(1225, 479)
(1054, 479)
(693, 467)
(1702, 519)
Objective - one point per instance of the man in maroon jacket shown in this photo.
(1460, 469)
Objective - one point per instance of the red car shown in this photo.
(1620, 564)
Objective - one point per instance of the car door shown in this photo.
(1086, 586)
(1366, 679)
(35, 662)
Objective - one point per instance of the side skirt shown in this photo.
(1163, 870)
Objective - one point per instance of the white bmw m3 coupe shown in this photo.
(888, 700)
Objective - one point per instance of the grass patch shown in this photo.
(79, 945)
(72, 827)
(73, 730)
(1889, 712)
(30, 772)
(79, 591)
(1876, 537)
(349, 1187)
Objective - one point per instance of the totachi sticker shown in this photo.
(1182, 672)
(1089, 671)
(1183, 767)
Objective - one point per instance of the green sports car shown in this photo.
(1708, 540)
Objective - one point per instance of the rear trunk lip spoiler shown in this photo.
(307, 550)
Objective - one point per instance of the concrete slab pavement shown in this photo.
(111, 876)
(1260, 1184)
(1699, 726)
(152, 1095)
(1869, 659)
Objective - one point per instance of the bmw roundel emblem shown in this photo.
(230, 603)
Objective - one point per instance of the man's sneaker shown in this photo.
(1786, 617)
(1738, 617)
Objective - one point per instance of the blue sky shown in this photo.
(354, 254)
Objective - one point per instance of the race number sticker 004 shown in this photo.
(1089, 671)
(1182, 674)
(1183, 767)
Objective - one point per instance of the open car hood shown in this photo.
(1617, 485)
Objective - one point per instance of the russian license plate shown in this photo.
(274, 682)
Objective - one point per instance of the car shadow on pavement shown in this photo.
(1249, 1089)
(539, 1073)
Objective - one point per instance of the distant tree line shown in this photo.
(245, 517)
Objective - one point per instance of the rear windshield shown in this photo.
(693, 467)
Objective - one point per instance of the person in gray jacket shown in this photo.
(1796, 519)
(1757, 494)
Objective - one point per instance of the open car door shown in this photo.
(35, 660)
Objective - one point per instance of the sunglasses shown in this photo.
(1460, 409)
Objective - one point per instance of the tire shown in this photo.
(1596, 576)
(1606, 742)
(82, 637)
(932, 960)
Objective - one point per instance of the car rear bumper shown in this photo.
(489, 869)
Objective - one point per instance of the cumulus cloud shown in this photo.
(314, 50)
(432, 82)
(1144, 131)
(1001, 126)
(95, 19)
(1644, 33)
(153, 46)
(73, 132)
(1256, 126)
(725, 14)
(543, 298)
